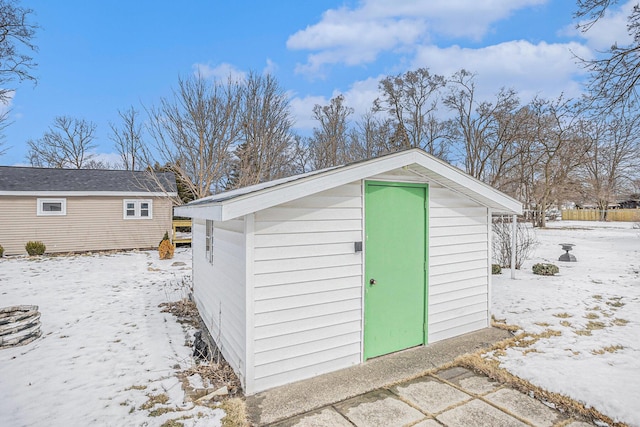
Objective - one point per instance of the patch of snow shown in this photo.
(105, 346)
(594, 303)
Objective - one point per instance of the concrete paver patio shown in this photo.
(408, 388)
(437, 399)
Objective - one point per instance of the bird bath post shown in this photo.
(567, 256)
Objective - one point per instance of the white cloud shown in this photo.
(543, 69)
(270, 68)
(531, 69)
(6, 105)
(302, 110)
(610, 29)
(113, 160)
(359, 35)
(220, 72)
(360, 97)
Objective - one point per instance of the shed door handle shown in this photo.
(372, 281)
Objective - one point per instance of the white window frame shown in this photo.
(42, 212)
(209, 241)
(137, 208)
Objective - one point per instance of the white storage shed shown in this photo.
(321, 271)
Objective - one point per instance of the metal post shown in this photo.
(514, 240)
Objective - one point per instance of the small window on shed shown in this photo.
(209, 242)
(52, 207)
(137, 209)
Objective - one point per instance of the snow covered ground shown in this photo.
(594, 303)
(106, 346)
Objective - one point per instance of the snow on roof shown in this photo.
(236, 203)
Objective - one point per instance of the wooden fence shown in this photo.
(182, 224)
(629, 215)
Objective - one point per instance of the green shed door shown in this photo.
(395, 267)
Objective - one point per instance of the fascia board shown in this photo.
(450, 172)
(208, 211)
(314, 184)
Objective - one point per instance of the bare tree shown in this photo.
(67, 144)
(488, 131)
(127, 139)
(267, 143)
(16, 34)
(195, 130)
(370, 136)
(329, 143)
(613, 157)
(615, 75)
(559, 150)
(411, 100)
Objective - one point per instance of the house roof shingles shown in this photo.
(27, 179)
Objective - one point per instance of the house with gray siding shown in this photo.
(78, 210)
(317, 272)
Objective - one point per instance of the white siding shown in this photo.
(308, 287)
(219, 289)
(458, 265)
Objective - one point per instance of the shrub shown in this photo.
(544, 269)
(525, 242)
(1, 251)
(165, 250)
(496, 269)
(165, 237)
(35, 248)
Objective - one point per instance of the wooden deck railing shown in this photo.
(181, 223)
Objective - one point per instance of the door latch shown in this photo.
(372, 282)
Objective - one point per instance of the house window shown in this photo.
(209, 242)
(138, 209)
(52, 207)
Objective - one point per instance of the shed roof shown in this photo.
(236, 203)
(15, 180)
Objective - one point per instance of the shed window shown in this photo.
(51, 207)
(209, 242)
(138, 209)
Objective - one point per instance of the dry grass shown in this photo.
(620, 322)
(501, 324)
(565, 323)
(563, 315)
(217, 375)
(608, 349)
(594, 326)
(615, 302)
(597, 297)
(160, 411)
(185, 310)
(136, 387)
(543, 324)
(591, 316)
(583, 332)
(154, 399)
(236, 413)
(490, 367)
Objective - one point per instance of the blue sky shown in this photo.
(97, 57)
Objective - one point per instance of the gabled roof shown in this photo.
(237, 203)
(16, 180)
